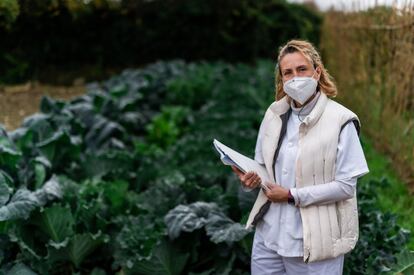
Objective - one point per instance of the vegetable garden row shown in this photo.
(125, 179)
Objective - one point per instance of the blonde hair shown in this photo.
(325, 84)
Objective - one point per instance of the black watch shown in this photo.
(291, 199)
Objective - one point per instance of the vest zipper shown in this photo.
(314, 181)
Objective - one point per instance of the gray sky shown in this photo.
(348, 4)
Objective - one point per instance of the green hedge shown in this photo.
(54, 35)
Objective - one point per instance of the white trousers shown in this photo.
(265, 261)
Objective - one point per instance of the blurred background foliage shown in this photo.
(9, 10)
(370, 52)
(41, 37)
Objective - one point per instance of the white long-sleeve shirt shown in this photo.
(282, 225)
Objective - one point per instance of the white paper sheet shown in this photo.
(231, 157)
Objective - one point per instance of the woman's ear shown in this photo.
(318, 72)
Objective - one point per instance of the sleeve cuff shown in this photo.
(245, 188)
(356, 174)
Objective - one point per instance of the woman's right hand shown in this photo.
(250, 179)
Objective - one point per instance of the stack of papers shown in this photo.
(231, 157)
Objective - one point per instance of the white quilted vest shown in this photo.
(328, 230)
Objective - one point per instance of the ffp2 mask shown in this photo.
(300, 88)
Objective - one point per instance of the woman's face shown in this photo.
(295, 64)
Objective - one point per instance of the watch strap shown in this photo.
(291, 199)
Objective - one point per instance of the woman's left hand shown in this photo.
(276, 193)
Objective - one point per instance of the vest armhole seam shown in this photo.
(356, 124)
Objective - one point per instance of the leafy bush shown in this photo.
(101, 34)
(9, 10)
(381, 238)
(125, 178)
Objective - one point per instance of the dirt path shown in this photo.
(20, 101)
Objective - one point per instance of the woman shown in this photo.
(307, 219)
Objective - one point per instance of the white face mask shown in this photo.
(300, 88)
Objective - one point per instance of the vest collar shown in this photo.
(317, 111)
(282, 106)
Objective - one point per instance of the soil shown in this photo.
(20, 101)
